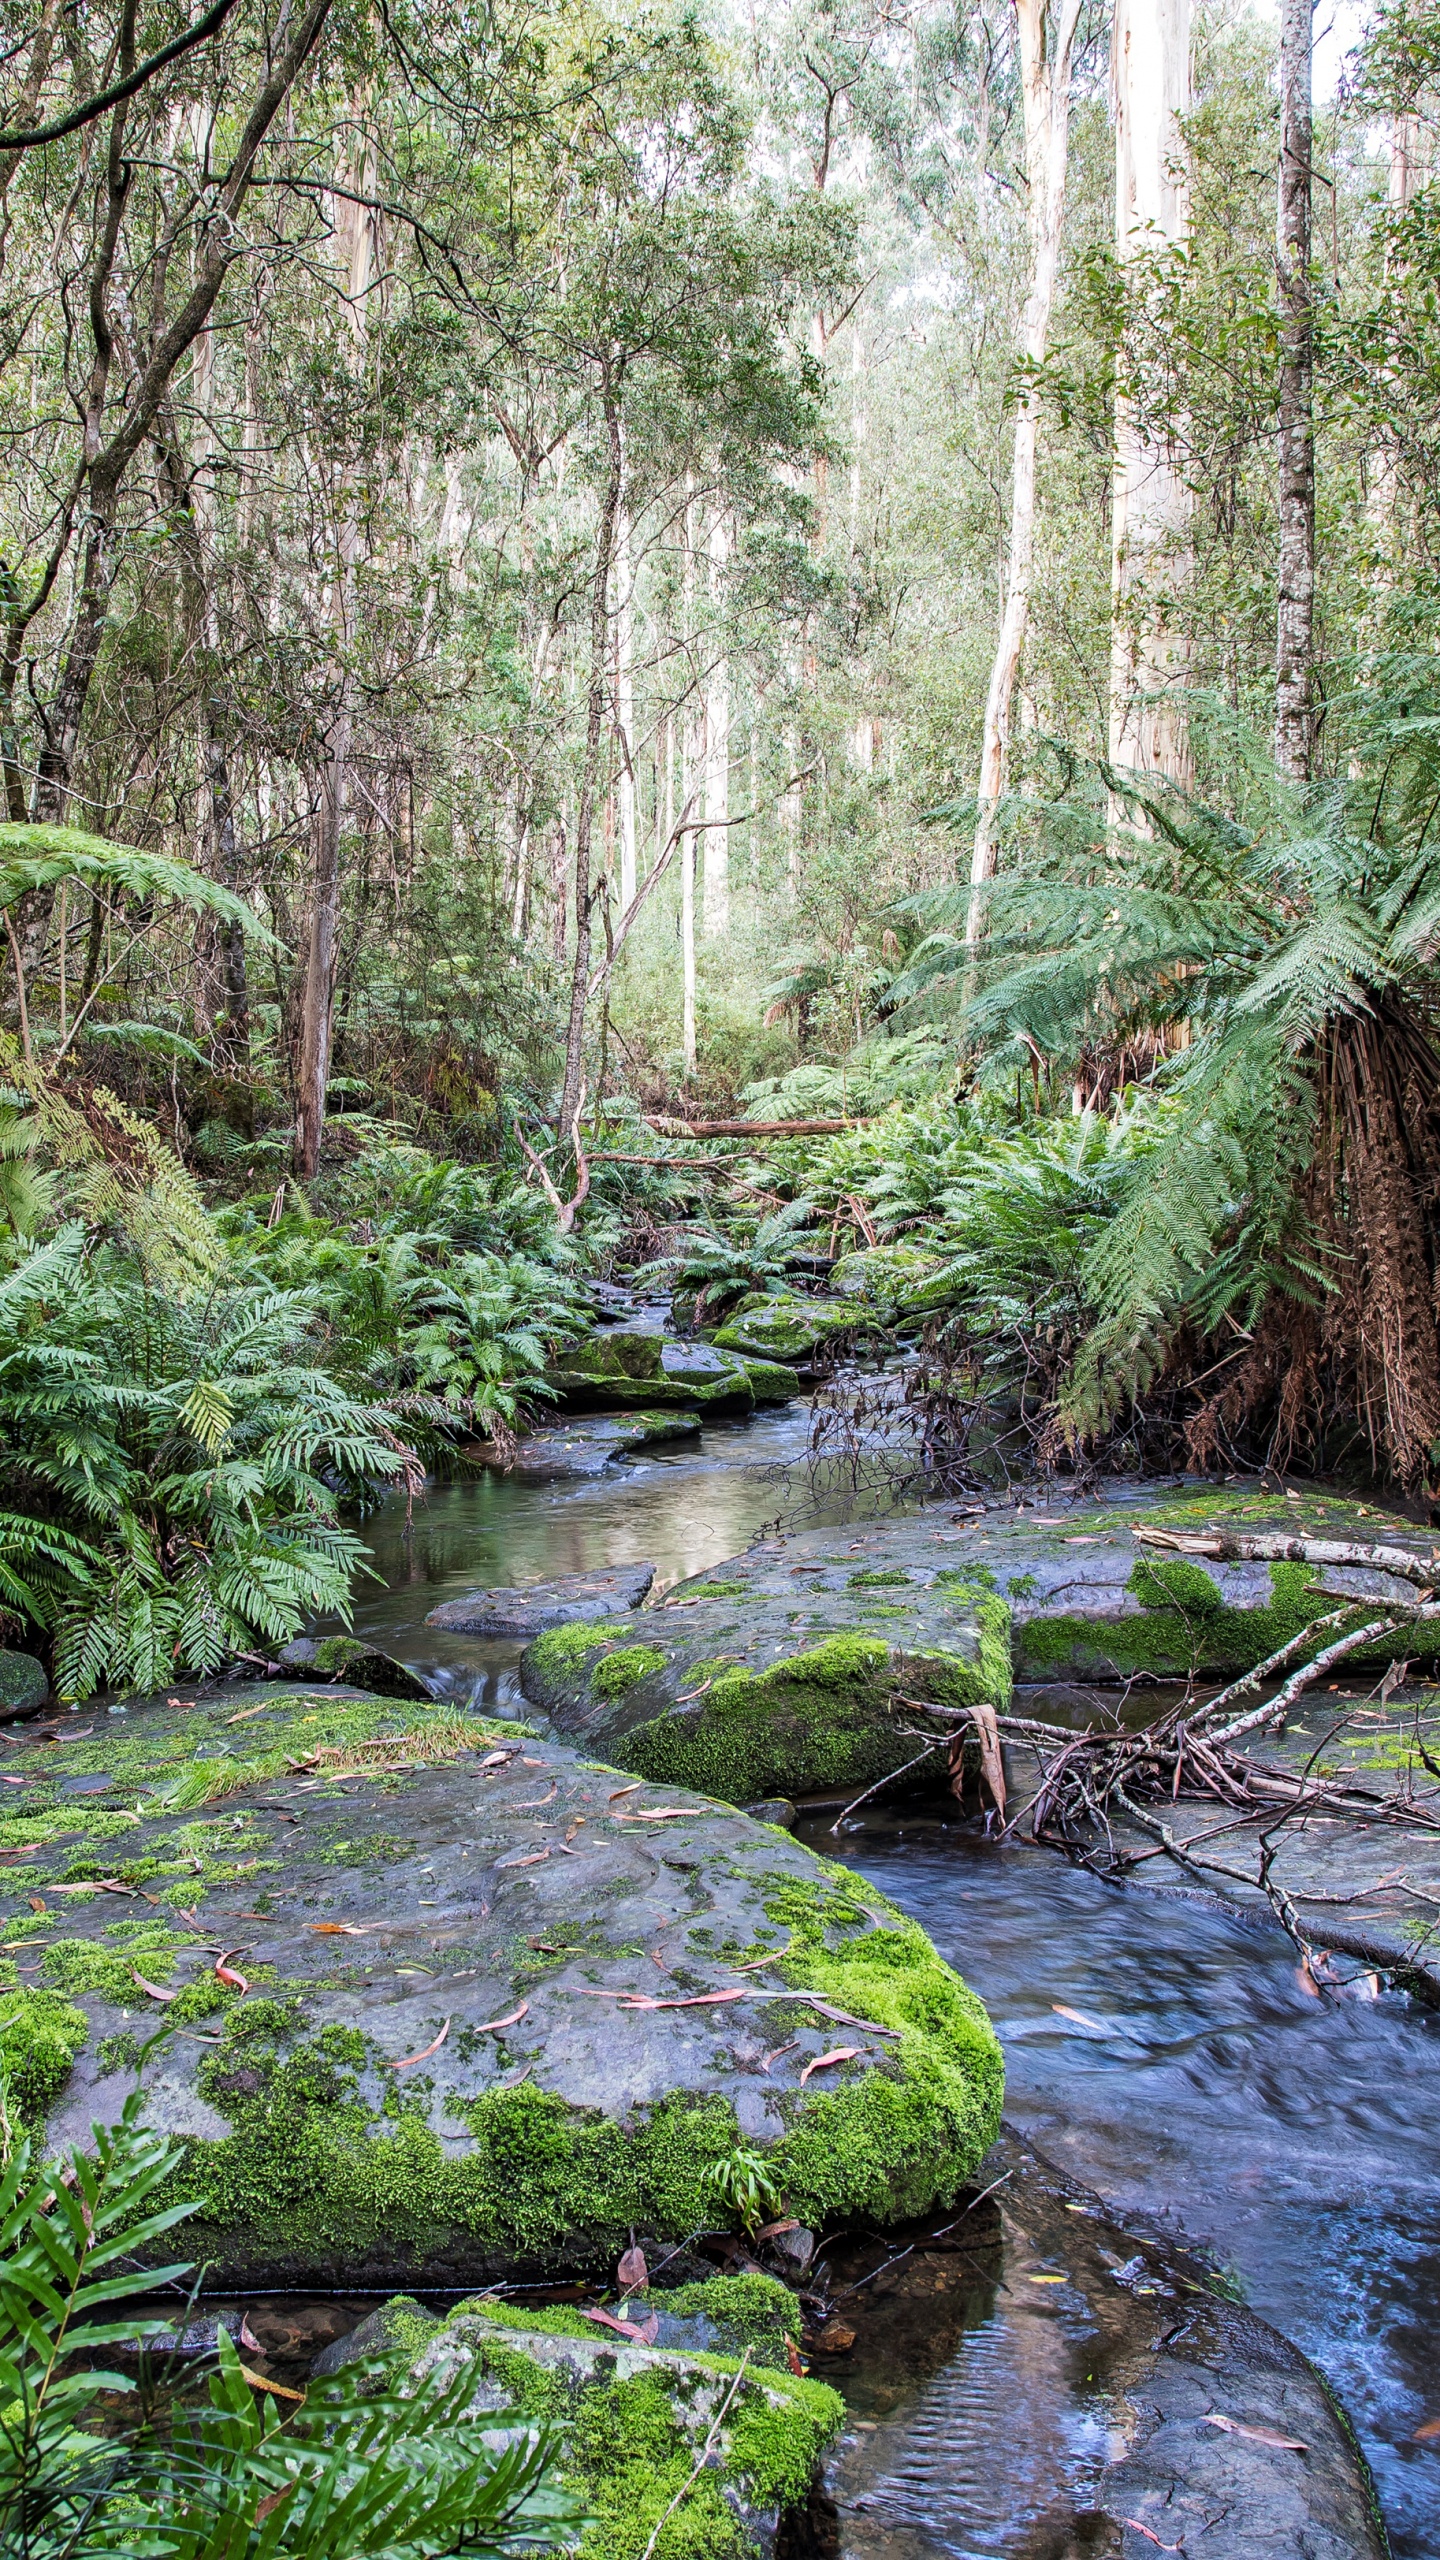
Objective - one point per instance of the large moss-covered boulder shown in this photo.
(789, 1329)
(1092, 1600)
(444, 2001)
(802, 1665)
(677, 2445)
(626, 1368)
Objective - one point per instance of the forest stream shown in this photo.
(1159, 2049)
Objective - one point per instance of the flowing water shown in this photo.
(1196, 2087)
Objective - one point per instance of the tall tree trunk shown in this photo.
(1045, 59)
(717, 747)
(1150, 503)
(625, 701)
(590, 770)
(1295, 615)
(355, 226)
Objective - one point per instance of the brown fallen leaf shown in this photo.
(241, 1717)
(248, 2337)
(1079, 2019)
(325, 1928)
(532, 1804)
(823, 2061)
(276, 2499)
(35, 1902)
(537, 1858)
(792, 2356)
(261, 2382)
(426, 2049)
(772, 2230)
(490, 2025)
(625, 1791)
(693, 2000)
(224, 1972)
(658, 1813)
(152, 1988)
(644, 2331)
(493, 1759)
(632, 2275)
(1255, 2435)
(1137, 2527)
(1427, 2433)
(774, 2056)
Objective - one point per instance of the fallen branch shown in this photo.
(702, 2458)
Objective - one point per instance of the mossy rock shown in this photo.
(650, 1370)
(24, 1684)
(455, 2059)
(777, 1678)
(895, 1280)
(787, 1329)
(359, 1665)
(772, 1382)
(674, 2451)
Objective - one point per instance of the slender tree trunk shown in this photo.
(625, 702)
(590, 770)
(717, 749)
(1295, 616)
(1045, 58)
(1150, 509)
(356, 228)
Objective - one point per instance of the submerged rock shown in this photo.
(587, 1448)
(572, 1598)
(801, 1665)
(624, 1367)
(503, 2006)
(666, 2436)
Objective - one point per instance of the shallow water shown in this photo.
(1297, 2141)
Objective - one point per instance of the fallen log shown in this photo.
(670, 1128)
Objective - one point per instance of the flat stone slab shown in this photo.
(573, 1598)
(444, 2002)
(803, 1664)
(590, 1448)
(1091, 1602)
(1089, 2318)
(791, 1328)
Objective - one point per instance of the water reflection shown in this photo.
(1200, 2087)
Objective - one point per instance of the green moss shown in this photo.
(1170, 1641)
(621, 1671)
(40, 2035)
(876, 1581)
(1172, 1582)
(751, 2311)
(562, 1651)
(716, 1590)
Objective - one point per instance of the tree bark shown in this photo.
(594, 732)
(1295, 613)
(716, 911)
(625, 701)
(1045, 85)
(356, 227)
(1150, 550)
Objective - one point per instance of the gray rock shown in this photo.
(627, 1366)
(24, 1684)
(799, 1666)
(573, 1598)
(359, 1665)
(478, 2034)
(401, 2327)
(790, 1328)
(589, 1448)
(776, 1809)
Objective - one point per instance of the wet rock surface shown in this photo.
(589, 1448)
(349, 1660)
(443, 2001)
(24, 1684)
(1037, 2364)
(804, 1663)
(528, 1609)
(791, 1329)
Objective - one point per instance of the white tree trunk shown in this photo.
(625, 700)
(1295, 609)
(688, 743)
(717, 747)
(1046, 49)
(1150, 503)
